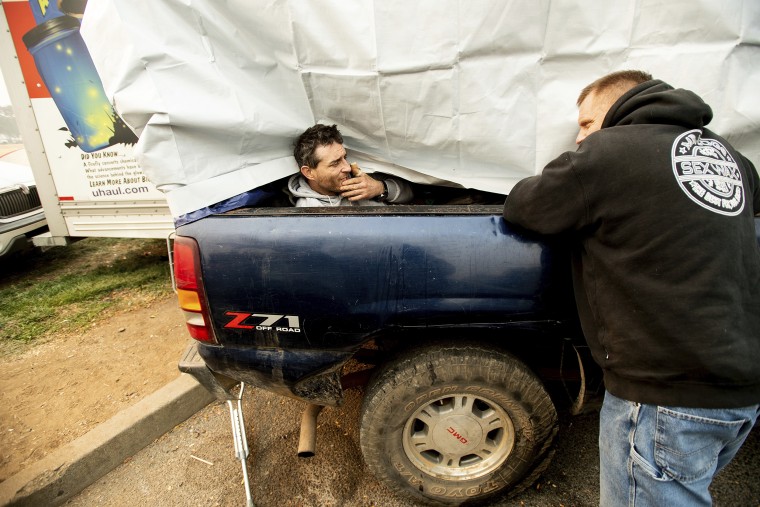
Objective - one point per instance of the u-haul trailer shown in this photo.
(80, 152)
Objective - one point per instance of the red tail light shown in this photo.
(189, 280)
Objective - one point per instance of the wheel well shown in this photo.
(553, 358)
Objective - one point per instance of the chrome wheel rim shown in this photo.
(459, 437)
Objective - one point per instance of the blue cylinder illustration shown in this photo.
(66, 68)
(43, 10)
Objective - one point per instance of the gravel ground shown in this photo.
(194, 464)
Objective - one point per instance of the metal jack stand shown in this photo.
(241, 442)
(221, 387)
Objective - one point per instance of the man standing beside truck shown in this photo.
(327, 179)
(666, 268)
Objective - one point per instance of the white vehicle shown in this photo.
(21, 214)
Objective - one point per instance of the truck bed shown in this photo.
(295, 292)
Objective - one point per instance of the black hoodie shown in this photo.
(666, 266)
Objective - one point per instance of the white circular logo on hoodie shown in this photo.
(707, 173)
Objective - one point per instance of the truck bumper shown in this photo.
(193, 364)
(230, 368)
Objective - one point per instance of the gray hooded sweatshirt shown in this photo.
(302, 195)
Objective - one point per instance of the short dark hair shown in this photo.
(312, 138)
(619, 82)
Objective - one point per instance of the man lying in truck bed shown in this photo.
(327, 179)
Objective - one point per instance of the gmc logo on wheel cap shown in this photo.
(457, 435)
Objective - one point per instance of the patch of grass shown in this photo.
(64, 289)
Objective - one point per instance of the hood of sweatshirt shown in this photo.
(659, 103)
(304, 196)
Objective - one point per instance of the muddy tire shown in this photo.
(448, 424)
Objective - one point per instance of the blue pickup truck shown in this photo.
(461, 330)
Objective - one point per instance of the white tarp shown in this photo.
(474, 92)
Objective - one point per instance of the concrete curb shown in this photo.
(71, 468)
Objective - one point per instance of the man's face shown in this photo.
(332, 170)
(591, 114)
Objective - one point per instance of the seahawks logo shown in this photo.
(708, 174)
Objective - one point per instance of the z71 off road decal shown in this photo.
(708, 174)
(263, 322)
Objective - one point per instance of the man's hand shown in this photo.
(361, 186)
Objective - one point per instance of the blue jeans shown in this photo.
(665, 456)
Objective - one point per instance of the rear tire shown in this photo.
(446, 424)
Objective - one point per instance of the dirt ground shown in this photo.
(194, 465)
(59, 390)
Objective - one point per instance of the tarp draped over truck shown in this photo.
(480, 94)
